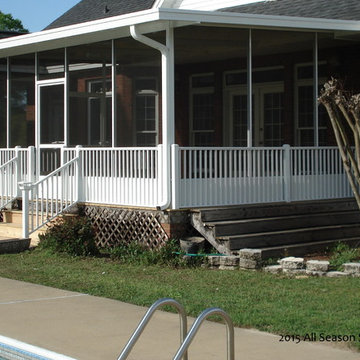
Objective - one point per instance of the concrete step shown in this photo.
(9, 230)
(15, 217)
(12, 216)
(13, 245)
(275, 209)
(293, 236)
(248, 226)
(305, 248)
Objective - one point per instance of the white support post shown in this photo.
(287, 172)
(18, 168)
(175, 179)
(113, 96)
(31, 164)
(62, 156)
(249, 92)
(25, 188)
(66, 100)
(79, 173)
(315, 90)
(8, 106)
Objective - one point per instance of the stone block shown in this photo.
(292, 263)
(251, 254)
(334, 274)
(214, 260)
(227, 267)
(317, 265)
(315, 273)
(273, 269)
(249, 264)
(192, 245)
(352, 268)
(229, 260)
(294, 272)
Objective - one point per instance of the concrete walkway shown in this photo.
(92, 328)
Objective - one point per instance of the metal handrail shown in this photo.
(195, 327)
(145, 320)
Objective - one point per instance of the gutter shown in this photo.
(167, 75)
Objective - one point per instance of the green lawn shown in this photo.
(253, 299)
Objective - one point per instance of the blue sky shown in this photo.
(36, 14)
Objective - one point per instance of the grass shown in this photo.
(271, 303)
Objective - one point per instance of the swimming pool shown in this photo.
(11, 349)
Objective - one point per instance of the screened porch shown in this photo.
(119, 122)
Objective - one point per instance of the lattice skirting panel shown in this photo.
(115, 226)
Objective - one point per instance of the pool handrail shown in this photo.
(145, 320)
(195, 327)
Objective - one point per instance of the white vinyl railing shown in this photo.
(123, 176)
(8, 184)
(50, 196)
(16, 165)
(201, 176)
(232, 176)
(6, 155)
(317, 173)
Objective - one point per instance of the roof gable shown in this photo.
(88, 10)
(327, 9)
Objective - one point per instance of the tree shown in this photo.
(8, 23)
(344, 113)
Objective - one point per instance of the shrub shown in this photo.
(136, 253)
(71, 235)
(341, 254)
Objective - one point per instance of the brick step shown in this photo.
(275, 209)
(305, 248)
(248, 226)
(287, 237)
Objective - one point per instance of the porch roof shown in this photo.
(326, 9)
(88, 10)
(156, 19)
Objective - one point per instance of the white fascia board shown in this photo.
(92, 31)
(155, 20)
(259, 21)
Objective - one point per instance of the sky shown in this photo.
(36, 14)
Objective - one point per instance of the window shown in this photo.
(99, 112)
(202, 110)
(273, 118)
(90, 97)
(146, 112)
(22, 100)
(305, 107)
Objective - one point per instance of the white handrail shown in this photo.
(50, 196)
(55, 172)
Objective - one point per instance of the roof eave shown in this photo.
(92, 31)
(153, 19)
(259, 21)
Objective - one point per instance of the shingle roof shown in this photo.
(5, 34)
(328, 9)
(87, 10)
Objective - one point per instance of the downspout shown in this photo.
(167, 66)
